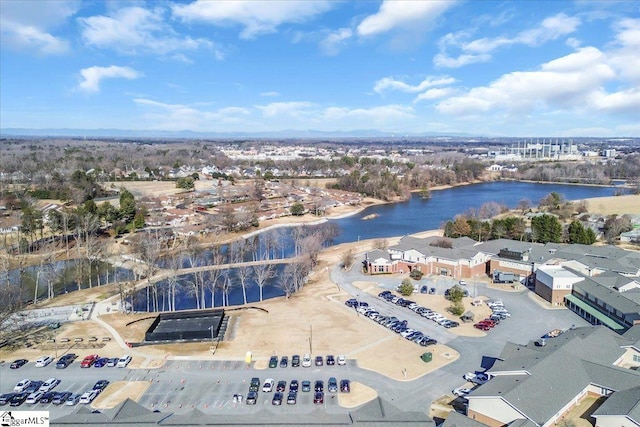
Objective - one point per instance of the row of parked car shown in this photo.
(391, 322)
(499, 313)
(306, 361)
(67, 359)
(280, 388)
(34, 391)
(418, 309)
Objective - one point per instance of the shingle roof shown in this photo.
(455, 419)
(626, 402)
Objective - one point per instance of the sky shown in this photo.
(493, 68)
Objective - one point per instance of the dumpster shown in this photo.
(248, 357)
(426, 357)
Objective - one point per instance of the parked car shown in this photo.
(281, 386)
(424, 289)
(319, 361)
(124, 361)
(49, 384)
(284, 362)
(482, 326)
(61, 397)
(332, 385)
(254, 385)
(267, 387)
(100, 385)
(295, 361)
(18, 363)
(72, 400)
(306, 360)
(292, 398)
(88, 397)
(342, 360)
(43, 361)
(293, 386)
(18, 399)
(252, 398)
(5, 398)
(112, 362)
(65, 360)
(432, 291)
(273, 362)
(34, 397)
(461, 391)
(88, 361)
(277, 399)
(318, 386)
(331, 360)
(481, 378)
(318, 398)
(345, 386)
(102, 361)
(305, 385)
(33, 387)
(21, 386)
(47, 397)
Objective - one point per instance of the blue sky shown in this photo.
(512, 68)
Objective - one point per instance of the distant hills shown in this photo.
(282, 134)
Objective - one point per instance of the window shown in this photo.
(636, 358)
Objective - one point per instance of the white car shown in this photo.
(49, 384)
(268, 385)
(462, 282)
(342, 360)
(43, 361)
(34, 397)
(88, 396)
(123, 361)
(461, 391)
(469, 376)
(481, 378)
(306, 360)
(22, 386)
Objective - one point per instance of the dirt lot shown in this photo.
(359, 394)
(629, 204)
(119, 391)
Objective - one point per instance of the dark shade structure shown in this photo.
(194, 325)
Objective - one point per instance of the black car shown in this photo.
(18, 399)
(318, 386)
(254, 385)
(33, 387)
(5, 398)
(65, 360)
(351, 302)
(319, 361)
(318, 398)
(331, 360)
(101, 385)
(432, 291)
(284, 362)
(273, 362)
(277, 399)
(424, 290)
(252, 398)
(282, 385)
(295, 360)
(60, 397)
(18, 363)
(293, 386)
(47, 397)
(292, 397)
(345, 386)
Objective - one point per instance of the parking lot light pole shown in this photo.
(310, 339)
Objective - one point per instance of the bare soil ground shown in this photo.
(580, 415)
(359, 394)
(118, 392)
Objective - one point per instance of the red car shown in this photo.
(88, 361)
(489, 322)
(482, 326)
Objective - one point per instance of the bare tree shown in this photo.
(347, 259)
(262, 273)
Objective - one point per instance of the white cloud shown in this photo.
(24, 27)
(435, 93)
(333, 42)
(479, 50)
(400, 14)
(135, 29)
(272, 94)
(292, 109)
(390, 83)
(571, 82)
(624, 56)
(166, 116)
(93, 76)
(256, 16)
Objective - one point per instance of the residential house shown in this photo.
(539, 385)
